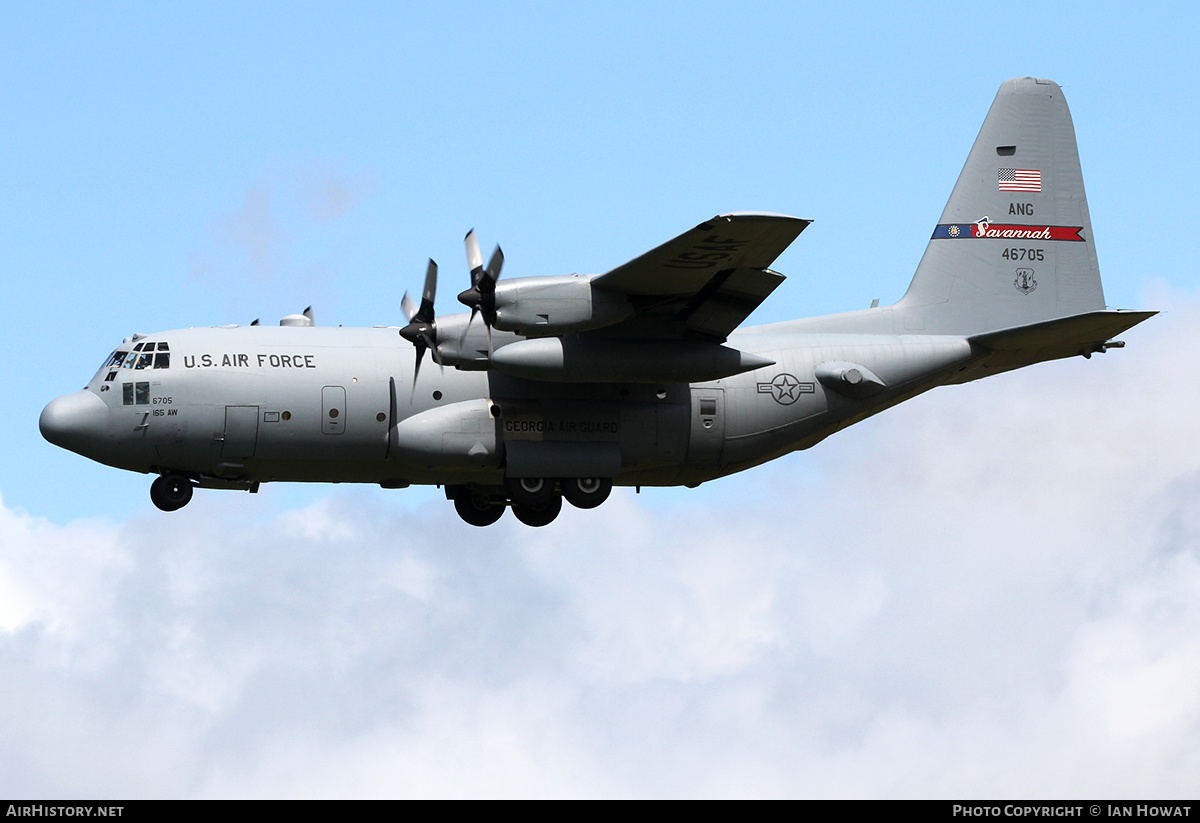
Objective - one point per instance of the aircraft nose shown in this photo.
(74, 421)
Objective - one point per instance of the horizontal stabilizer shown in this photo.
(1081, 334)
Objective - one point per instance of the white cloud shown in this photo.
(993, 590)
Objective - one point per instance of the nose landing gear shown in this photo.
(171, 492)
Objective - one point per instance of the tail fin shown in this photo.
(1014, 244)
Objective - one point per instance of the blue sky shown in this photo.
(171, 166)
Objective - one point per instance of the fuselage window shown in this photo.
(127, 393)
(142, 393)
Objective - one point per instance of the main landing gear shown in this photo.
(477, 509)
(535, 501)
(171, 491)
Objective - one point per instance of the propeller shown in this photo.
(481, 297)
(421, 330)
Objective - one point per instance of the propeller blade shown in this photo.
(435, 352)
(474, 258)
(408, 307)
(420, 346)
(481, 297)
(426, 311)
(495, 264)
(421, 330)
(462, 338)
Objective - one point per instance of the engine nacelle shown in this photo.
(582, 360)
(560, 304)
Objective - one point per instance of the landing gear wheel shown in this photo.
(538, 515)
(476, 510)
(586, 492)
(532, 492)
(171, 492)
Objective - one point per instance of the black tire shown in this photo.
(476, 510)
(171, 492)
(532, 492)
(586, 492)
(538, 515)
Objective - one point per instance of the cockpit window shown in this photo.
(147, 354)
(144, 356)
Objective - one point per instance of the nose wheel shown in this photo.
(170, 492)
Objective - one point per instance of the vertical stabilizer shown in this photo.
(1014, 244)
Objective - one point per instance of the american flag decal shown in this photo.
(1019, 179)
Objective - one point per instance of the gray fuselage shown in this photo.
(246, 404)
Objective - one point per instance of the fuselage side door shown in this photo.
(241, 431)
(707, 438)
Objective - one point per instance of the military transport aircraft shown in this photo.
(561, 386)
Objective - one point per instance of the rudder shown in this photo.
(1014, 244)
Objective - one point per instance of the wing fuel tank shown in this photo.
(585, 360)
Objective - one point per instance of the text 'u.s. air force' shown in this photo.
(244, 361)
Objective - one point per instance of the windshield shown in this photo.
(148, 354)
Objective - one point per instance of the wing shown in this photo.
(706, 281)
